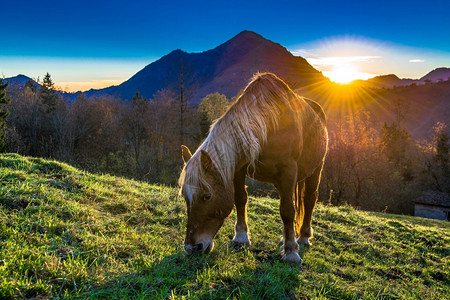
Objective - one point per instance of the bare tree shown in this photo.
(182, 82)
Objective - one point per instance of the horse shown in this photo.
(270, 134)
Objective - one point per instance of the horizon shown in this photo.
(95, 45)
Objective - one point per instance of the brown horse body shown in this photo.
(272, 135)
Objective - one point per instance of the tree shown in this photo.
(440, 164)
(27, 113)
(135, 123)
(182, 83)
(394, 142)
(3, 114)
(211, 108)
(48, 94)
(441, 141)
(348, 163)
(399, 108)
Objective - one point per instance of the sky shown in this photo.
(93, 44)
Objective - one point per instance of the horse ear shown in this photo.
(207, 163)
(185, 153)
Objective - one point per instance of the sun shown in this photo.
(344, 59)
(345, 73)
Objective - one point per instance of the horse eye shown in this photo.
(207, 197)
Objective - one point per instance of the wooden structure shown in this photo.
(433, 205)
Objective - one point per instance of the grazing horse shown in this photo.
(270, 134)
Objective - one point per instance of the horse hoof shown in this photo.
(240, 246)
(304, 241)
(292, 258)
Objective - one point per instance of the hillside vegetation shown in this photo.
(65, 233)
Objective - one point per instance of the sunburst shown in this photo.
(345, 73)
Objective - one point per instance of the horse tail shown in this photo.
(299, 209)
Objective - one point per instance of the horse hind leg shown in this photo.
(241, 238)
(286, 187)
(308, 203)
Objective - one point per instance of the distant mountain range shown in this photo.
(227, 69)
(391, 80)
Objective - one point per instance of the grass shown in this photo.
(65, 233)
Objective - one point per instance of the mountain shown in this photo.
(437, 75)
(225, 69)
(19, 80)
(391, 80)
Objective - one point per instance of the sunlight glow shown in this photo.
(346, 73)
(370, 57)
(75, 86)
(344, 59)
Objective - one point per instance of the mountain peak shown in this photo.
(247, 34)
(249, 38)
(439, 74)
(177, 52)
(225, 69)
(19, 80)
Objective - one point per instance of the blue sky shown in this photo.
(92, 43)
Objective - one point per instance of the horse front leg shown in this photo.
(286, 188)
(241, 238)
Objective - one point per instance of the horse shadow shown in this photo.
(178, 275)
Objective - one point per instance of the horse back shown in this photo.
(317, 108)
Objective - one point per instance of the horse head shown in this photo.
(208, 200)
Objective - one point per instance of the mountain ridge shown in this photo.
(392, 80)
(228, 67)
(225, 69)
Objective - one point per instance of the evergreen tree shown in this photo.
(48, 93)
(3, 114)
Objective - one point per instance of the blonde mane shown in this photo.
(240, 133)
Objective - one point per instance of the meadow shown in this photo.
(67, 233)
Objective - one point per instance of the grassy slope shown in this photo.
(70, 234)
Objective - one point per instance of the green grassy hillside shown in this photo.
(65, 233)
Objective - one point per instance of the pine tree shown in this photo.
(48, 93)
(3, 114)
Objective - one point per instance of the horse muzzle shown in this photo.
(199, 248)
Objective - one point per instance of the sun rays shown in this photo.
(346, 73)
(346, 62)
(340, 100)
(344, 59)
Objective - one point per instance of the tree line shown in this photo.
(368, 166)
(137, 139)
(383, 169)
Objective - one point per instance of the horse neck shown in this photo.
(227, 155)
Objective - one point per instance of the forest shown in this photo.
(368, 166)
